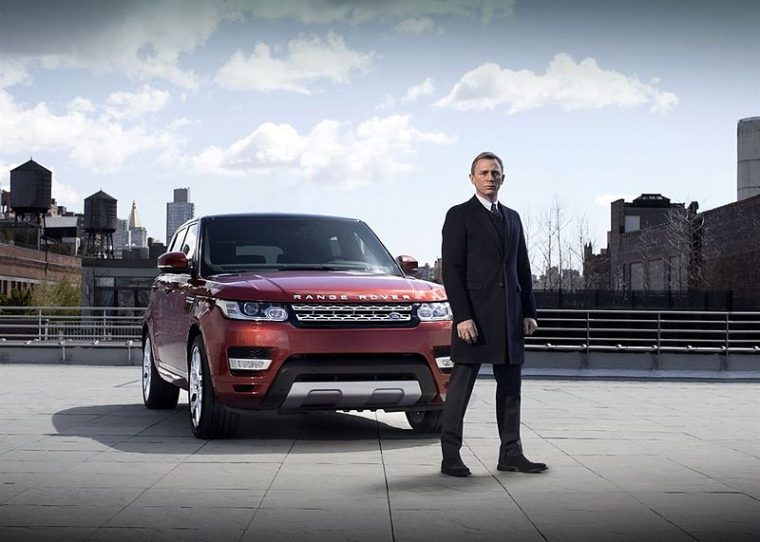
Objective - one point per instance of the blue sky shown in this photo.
(375, 109)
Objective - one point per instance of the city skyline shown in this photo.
(375, 111)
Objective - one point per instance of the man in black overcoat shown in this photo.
(487, 277)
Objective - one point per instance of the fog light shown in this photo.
(241, 364)
(444, 362)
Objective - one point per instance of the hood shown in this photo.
(324, 287)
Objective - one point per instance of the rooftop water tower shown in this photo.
(100, 223)
(31, 186)
(30, 196)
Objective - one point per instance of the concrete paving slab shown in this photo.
(219, 476)
(45, 534)
(183, 517)
(469, 524)
(164, 534)
(322, 525)
(628, 461)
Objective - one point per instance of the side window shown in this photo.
(176, 243)
(189, 244)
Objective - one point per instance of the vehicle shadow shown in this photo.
(123, 426)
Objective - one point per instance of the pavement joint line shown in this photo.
(271, 482)
(506, 490)
(645, 505)
(126, 383)
(735, 491)
(385, 478)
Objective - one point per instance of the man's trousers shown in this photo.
(508, 382)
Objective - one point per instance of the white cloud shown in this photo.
(418, 26)
(97, 143)
(604, 200)
(389, 102)
(332, 153)
(12, 72)
(308, 59)
(136, 104)
(81, 105)
(64, 194)
(146, 40)
(142, 40)
(426, 88)
(568, 84)
(5, 175)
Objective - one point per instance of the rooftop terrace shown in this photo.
(81, 458)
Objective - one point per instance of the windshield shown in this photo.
(233, 245)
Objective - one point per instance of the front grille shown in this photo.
(339, 314)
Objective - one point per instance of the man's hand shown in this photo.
(529, 326)
(467, 331)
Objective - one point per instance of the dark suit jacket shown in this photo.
(488, 282)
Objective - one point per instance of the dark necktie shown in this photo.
(495, 209)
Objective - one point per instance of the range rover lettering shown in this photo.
(292, 313)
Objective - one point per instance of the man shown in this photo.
(487, 277)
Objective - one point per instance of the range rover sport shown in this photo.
(292, 313)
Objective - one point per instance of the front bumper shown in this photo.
(328, 369)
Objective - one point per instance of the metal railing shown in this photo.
(647, 331)
(72, 324)
(560, 329)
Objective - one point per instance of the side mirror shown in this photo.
(408, 264)
(173, 262)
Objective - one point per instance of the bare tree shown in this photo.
(576, 249)
(684, 236)
(547, 249)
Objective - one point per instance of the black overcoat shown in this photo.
(488, 282)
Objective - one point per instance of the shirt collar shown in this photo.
(486, 203)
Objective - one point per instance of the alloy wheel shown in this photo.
(196, 386)
(147, 367)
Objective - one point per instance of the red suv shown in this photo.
(292, 313)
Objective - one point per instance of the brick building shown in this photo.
(729, 253)
(658, 246)
(649, 244)
(22, 268)
(655, 245)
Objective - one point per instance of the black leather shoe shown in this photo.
(455, 469)
(520, 463)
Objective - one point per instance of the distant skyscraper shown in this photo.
(120, 237)
(178, 211)
(138, 235)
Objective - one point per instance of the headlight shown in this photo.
(432, 312)
(249, 310)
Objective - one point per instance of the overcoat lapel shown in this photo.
(508, 229)
(485, 221)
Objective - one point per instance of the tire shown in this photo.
(426, 421)
(209, 418)
(157, 393)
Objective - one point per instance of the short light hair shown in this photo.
(486, 156)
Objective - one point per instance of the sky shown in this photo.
(374, 110)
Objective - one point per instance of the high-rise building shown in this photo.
(120, 237)
(178, 211)
(138, 235)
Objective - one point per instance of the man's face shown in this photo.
(487, 178)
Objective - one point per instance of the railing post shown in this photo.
(656, 359)
(728, 331)
(588, 332)
(39, 324)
